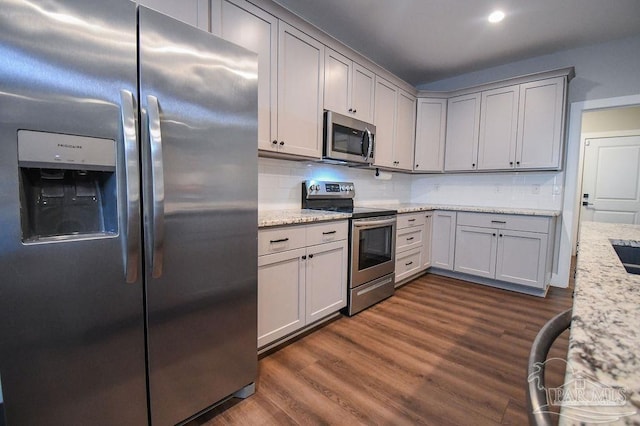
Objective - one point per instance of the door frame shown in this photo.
(573, 171)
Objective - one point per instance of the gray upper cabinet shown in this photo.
(242, 23)
(348, 87)
(498, 128)
(431, 124)
(463, 118)
(541, 118)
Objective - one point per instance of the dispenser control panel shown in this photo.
(55, 150)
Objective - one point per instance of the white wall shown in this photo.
(279, 183)
(603, 70)
(534, 190)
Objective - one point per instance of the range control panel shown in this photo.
(324, 189)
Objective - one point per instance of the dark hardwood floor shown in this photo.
(439, 352)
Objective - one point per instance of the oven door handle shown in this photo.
(369, 223)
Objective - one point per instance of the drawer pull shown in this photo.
(411, 220)
(328, 232)
(410, 238)
(499, 221)
(281, 240)
(407, 264)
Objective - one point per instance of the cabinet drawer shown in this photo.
(280, 239)
(407, 263)
(410, 219)
(327, 232)
(505, 221)
(409, 238)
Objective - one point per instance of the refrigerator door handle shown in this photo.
(130, 242)
(157, 185)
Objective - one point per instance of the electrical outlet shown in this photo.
(535, 189)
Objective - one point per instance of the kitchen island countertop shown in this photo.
(268, 218)
(604, 345)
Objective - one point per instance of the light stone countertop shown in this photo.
(416, 207)
(296, 216)
(604, 345)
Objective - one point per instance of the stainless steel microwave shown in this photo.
(347, 139)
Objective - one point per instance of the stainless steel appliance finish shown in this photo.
(347, 139)
(116, 324)
(372, 248)
(372, 240)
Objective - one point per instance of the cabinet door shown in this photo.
(281, 295)
(404, 140)
(192, 12)
(326, 279)
(250, 27)
(498, 128)
(541, 124)
(463, 122)
(476, 251)
(385, 122)
(430, 131)
(300, 92)
(522, 258)
(337, 82)
(362, 93)
(426, 243)
(443, 239)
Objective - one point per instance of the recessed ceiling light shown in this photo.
(496, 16)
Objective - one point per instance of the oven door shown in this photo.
(373, 245)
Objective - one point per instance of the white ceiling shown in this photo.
(427, 40)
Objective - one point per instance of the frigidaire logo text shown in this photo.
(67, 145)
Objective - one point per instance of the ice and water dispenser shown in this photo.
(68, 186)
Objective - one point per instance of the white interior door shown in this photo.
(611, 180)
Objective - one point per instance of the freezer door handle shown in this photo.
(157, 185)
(130, 240)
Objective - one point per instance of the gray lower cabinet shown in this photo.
(510, 248)
(443, 241)
(302, 277)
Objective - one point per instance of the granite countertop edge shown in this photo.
(604, 342)
(267, 218)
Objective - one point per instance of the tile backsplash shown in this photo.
(279, 186)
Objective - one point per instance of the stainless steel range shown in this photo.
(372, 240)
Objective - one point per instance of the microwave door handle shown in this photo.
(131, 231)
(157, 185)
(367, 134)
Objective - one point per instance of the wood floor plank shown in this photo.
(439, 352)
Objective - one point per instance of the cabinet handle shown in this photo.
(410, 238)
(274, 142)
(304, 257)
(511, 163)
(500, 235)
(494, 234)
(310, 256)
(354, 111)
(281, 143)
(281, 240)
(473, 165)
(411, 220)
(517, 163)
(417, 165)
(328, 232)
(407, 264)
(350, 109)
(499, 221)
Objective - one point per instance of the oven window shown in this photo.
(346, 140)
(375, 247)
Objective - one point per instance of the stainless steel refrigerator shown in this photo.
(128, 215)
